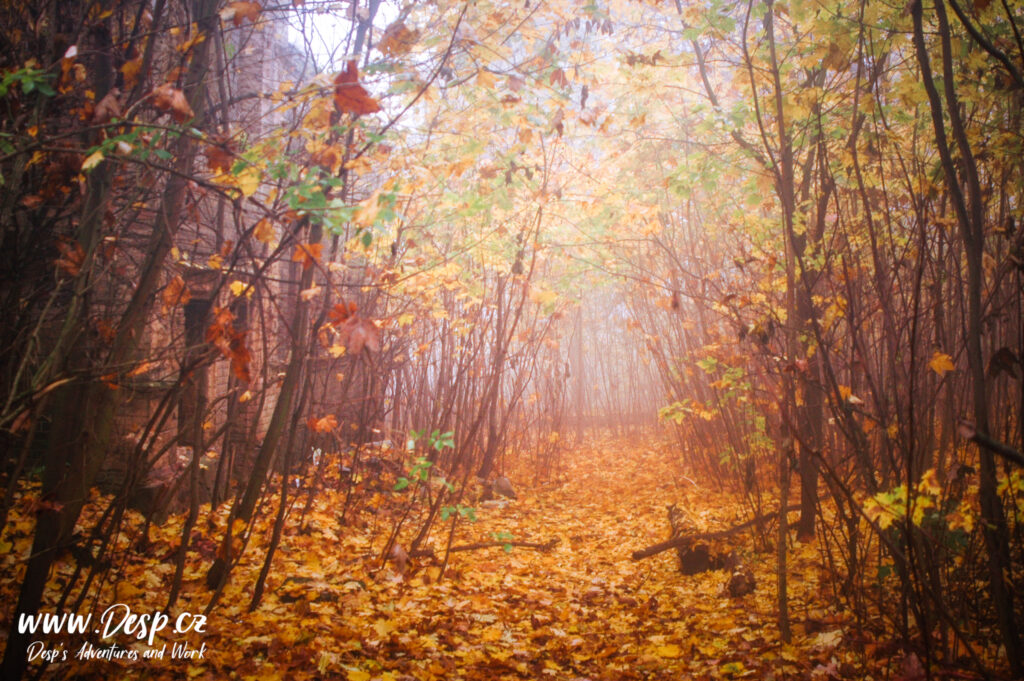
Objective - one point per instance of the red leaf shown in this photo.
(349, 95)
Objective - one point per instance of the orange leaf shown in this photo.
(349, 95)
(170, 99)
(244, 10)
(223, 335)
(264, 231)
(176, 293)
(307, 254)
(341, 312)
(130, 70)
(325, 424)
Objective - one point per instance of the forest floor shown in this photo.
(582, 610)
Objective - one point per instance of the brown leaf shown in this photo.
(357, 333)
(108, 107)
(349, 95)
(167, 98)
(218, 158)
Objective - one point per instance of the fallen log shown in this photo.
(540, 546)
(683, 541)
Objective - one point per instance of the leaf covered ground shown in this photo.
(582, 610)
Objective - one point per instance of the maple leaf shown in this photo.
(940, 363)
(324, 424)
(349, 95)
(307, 254)
(248, 180)
(167, 98)
(398, 39)
(239, 287)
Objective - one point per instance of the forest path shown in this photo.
(584, 610)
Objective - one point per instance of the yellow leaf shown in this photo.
(383, 627)
(542, 296)
(922, 505)
(126, 591)
(92, 160)
(239, 287)
(215, 261)
(929, 483)
(406, 319)
(358, 675)
(336, 350)
(248, 180)
(670, 650)
(940, 363)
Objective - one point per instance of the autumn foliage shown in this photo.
(728, 294)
